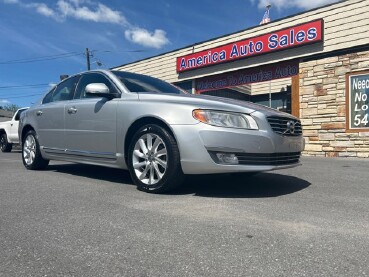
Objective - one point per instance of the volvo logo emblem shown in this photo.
(290, 127)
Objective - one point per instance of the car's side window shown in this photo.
(65, 90)
(90, 78)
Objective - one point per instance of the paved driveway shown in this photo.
(78, 220)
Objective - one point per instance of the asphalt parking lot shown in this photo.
(78, 220)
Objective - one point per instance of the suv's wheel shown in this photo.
(31, 154)
(5, 146)
(154, 161)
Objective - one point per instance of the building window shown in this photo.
(186, 85)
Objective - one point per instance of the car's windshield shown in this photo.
(142, 83)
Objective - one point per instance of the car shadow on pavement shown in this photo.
(114, 175)
(242, 185)
(218, 185)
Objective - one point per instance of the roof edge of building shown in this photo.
(230, 34)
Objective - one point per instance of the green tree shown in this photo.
(11, 107)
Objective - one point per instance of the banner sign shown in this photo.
(357, 102)
(288, 38)
(248, 76)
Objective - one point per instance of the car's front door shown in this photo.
(91, 123)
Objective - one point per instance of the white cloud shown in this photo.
(77, 9)
(89, 10)
(101, 14)
(42, 8)
(282, 4)
(4, 102)
(143, 37)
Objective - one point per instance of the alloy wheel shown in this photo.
(149, 158)
(29, 150)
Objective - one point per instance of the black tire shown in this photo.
(172, 175)
(31, 155)
(4, 144)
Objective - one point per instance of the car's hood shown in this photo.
(210, 102)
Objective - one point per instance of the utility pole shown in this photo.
(88, 59)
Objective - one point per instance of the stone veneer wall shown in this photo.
(323, 107)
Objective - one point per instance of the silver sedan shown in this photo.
(155, 130)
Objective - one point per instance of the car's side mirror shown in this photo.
(99, 90)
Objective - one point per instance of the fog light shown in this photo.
(227, 158)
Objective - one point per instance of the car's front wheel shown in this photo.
(5, 146)
(154, 160)
(31, 154)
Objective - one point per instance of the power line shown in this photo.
(121, 51)
(44, 58)
(65, 55)
(88, 54)
(25, 96)
(23, 86)
(22, 94)
(42, 88)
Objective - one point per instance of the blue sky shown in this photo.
(56, 33)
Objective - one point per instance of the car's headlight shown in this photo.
(225, 119)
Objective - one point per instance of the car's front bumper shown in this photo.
(198, 145)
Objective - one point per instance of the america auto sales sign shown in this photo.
(299, 35)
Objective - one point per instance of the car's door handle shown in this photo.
(38, 113)
(72, 110)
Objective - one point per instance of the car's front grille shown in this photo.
(285, 126)
(268, 159)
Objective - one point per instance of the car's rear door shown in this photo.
(50, 116)
(91, 123)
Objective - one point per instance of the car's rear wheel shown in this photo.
(154, 160)
(5, 146)
(31, 154)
